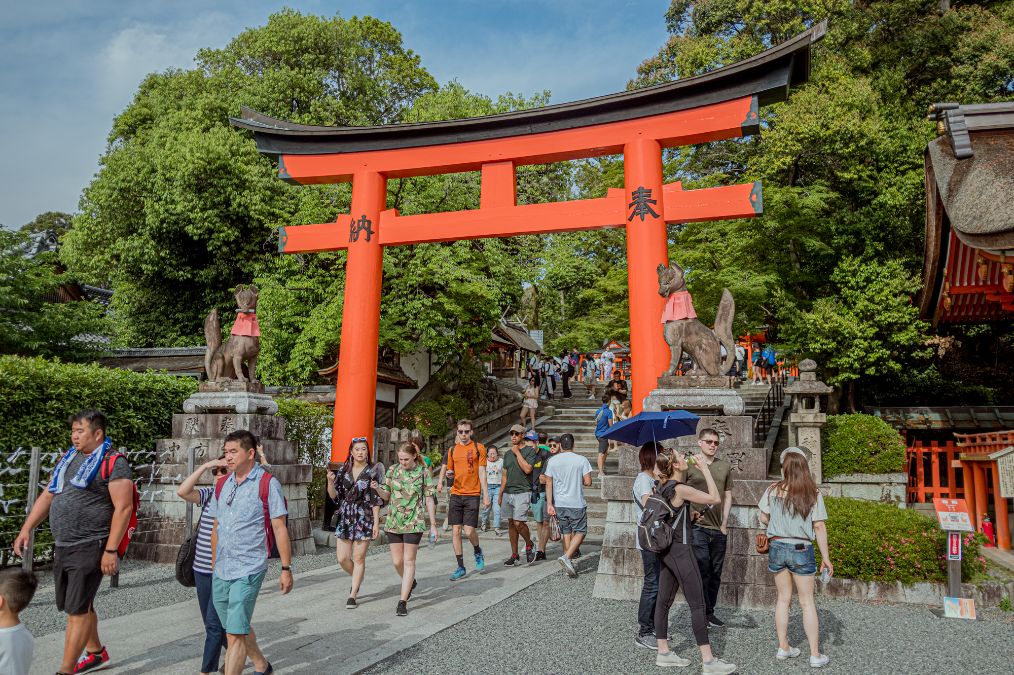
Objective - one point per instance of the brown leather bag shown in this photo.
(761, 542)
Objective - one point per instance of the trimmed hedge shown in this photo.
(38, 397)
(861, 444)
(871, 541)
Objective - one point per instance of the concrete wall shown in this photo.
(890, 488)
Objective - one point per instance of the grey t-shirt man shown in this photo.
(79, 515)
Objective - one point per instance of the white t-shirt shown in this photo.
(642, 486)
(568, 469)
(16, 646)
(494, 472)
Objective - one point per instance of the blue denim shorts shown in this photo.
(785, 556)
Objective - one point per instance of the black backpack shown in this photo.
(660, 520)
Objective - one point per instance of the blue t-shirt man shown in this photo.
(602, 419)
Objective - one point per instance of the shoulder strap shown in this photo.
(107, 464)
(219, 484)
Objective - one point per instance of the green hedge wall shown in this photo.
(306, 425)
(38, 397)
(861, 444)
(871, 541)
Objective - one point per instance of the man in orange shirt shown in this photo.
(466, 461)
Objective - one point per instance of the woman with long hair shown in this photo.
(643, 485)
(678, 566)
(407, 487)
(793, 512)
(531, 402)
(358, 509)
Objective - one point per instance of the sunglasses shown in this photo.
(464, 432)
(232, 495)
(710, 442)
(515, 433)
(219, 470)
(359, 439)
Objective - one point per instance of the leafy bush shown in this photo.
(880, 542)
(308, 426)
(435, 418)
(39, 396)
(861, 444)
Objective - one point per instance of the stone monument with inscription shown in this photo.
(226, 402)
(712, 395)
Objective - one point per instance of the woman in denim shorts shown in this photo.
(793, 511)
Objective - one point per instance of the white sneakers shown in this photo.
(671, 660)
(718, 667)
(792, 653)
(819, 661)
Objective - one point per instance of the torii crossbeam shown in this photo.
(637, 124)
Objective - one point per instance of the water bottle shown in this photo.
(433, 540)
(825, 575)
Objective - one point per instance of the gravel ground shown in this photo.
(565, 630)
(146, 585)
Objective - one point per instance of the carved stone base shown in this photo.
(230, 402)
(695, 382)
(231, 385)
(702, 400)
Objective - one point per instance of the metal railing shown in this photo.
(766, 415)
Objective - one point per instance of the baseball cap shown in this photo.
(531, 436)
(517, 428)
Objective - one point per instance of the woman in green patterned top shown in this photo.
(405, 487)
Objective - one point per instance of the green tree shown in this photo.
(33, 320)
(184, 207)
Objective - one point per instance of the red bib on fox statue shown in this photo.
(678, 306)
(246, 324)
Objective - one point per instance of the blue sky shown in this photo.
(69, 66)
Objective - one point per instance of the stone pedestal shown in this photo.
(210, 417)
(701, 394)
(745, 579)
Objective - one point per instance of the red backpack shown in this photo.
(106, 471)
(262, 490)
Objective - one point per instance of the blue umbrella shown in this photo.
(646, 427)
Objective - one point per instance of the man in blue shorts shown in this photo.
(239, 540)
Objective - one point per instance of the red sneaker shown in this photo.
(93, 661)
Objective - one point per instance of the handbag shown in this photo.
(185, 557)
(554, 529)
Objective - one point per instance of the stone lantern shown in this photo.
(805, 419)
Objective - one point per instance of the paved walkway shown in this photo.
(309, 630)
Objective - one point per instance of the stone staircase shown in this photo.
(753, 397)
(576, 416)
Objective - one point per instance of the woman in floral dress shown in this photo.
(407, 487)
(352, 487)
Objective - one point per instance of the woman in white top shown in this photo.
(531, 402)
(793, 511)
(494, 475)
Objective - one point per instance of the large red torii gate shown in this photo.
(637, 124)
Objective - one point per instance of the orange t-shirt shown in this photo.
(466, 473)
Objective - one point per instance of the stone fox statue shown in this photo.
(224, 361)
(684, 332)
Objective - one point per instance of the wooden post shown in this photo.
(357, 361)
(28, 559)
(647, 247)
(969, 486)
(981, 499)
(1000, 504)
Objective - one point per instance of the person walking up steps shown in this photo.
(538, 497)
(516, 491)
(591, 374)
(494, 476)
(567, 475)
(358, 511)
(242, 534)
(603, 420)
(710, 533)
(467, 461)
(88, 501)
(793, 512)
(678, 566)
(408, 490)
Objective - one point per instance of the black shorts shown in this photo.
(77, 571)
(603, 446)
(463, 510)
(411, 538)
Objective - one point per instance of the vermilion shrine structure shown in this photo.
(638, 124)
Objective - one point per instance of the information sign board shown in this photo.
(959, 608)
(952, 515)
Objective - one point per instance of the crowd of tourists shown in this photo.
(547, 375)
(540, 480)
